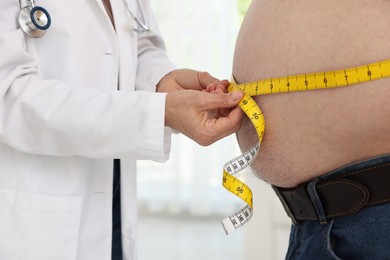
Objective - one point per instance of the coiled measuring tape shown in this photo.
(301, 82)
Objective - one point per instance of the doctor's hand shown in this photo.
(189, 79)
(192, 113)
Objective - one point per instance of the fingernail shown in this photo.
(237, 95)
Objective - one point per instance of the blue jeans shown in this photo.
(362, 236)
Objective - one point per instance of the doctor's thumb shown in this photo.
(225, 100)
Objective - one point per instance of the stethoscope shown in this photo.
(35, 20)
(142, 26)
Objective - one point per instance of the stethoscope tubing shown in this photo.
(143, 25)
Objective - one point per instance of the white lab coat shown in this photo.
(62, 121)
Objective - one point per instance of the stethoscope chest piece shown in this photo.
(34, 20)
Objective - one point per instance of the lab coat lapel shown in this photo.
(103, 10)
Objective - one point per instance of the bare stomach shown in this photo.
(313, 132)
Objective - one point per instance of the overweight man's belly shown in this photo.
(310, 133)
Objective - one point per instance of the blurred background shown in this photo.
(182, 202)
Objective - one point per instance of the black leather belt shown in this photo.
(339, 196)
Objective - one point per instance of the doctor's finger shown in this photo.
(222, 126)
(222, 111)
(205, 79)
(221, 100)
(218, 87)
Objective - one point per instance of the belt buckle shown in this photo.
(285, 205)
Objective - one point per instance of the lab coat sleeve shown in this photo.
(50, 117)
(153, 63)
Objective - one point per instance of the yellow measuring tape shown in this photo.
(302, 82)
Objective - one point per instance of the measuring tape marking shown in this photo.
(286, 84)
(318, 80)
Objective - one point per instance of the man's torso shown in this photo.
(310, 133)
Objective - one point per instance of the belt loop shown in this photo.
(311, 189)
(285, 205)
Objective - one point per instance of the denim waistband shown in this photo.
(340, 192)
